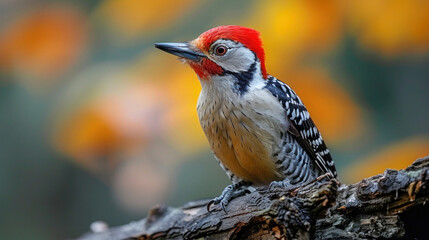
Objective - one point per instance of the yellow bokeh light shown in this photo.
(398, 155)
(290, 29)
(131, 18)
(390, 27)
(43, 44)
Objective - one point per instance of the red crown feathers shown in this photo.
(250, 38)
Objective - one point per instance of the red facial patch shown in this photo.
(246, 36)
(205, 68)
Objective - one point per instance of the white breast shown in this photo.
(243, 130)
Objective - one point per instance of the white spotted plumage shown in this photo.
(310, 137)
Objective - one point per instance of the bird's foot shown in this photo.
(284, 185)
(230, 192)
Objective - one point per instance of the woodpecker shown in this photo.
(258, 128)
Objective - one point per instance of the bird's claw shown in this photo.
(223, 200)
(283, 185)
(218, 200)
(229, 193)
(275, 184)
(209, 205)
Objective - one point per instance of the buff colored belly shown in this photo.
(242, 146)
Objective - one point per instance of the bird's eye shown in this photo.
(220, 50)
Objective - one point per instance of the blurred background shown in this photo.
(97, 124)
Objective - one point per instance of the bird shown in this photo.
(258, 128)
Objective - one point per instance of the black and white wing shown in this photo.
(302, 126)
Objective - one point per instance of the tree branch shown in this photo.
(388, 205)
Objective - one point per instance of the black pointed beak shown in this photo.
(183, 50)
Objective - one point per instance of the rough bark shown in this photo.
(391, 205)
